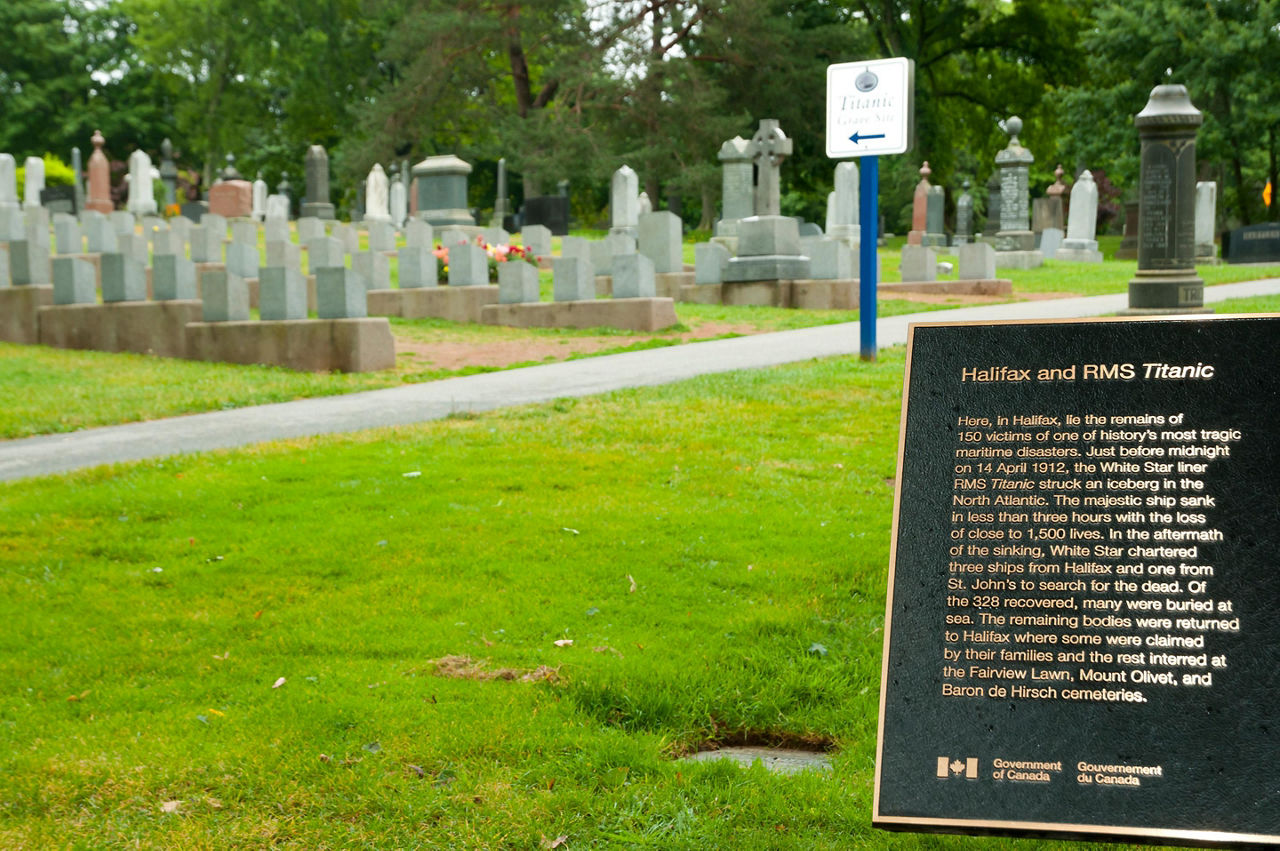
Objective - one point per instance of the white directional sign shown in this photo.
(870, 108)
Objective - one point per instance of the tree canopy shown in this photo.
(572, 89)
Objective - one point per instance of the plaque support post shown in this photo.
(869, 216)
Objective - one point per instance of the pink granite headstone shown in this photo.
(99, 178)
(920, 207)
(231, 198)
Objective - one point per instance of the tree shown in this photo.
(1226, 52)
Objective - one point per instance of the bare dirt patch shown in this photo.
(458, 354)
(466, 668)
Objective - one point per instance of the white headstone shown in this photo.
(142, 201)
(277, 208)
(643, 204)
(1082, 223)
(842, 206)
(624, 202)
(377, 201)
(8, 182)
(258, 211)
(399, 203)
(32, 182)
(1206, 211)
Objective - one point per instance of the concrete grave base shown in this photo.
(993, 286)
(456, 304)
(802, 294)
(672, 284)
(312, 345)
(19, 307)
(144, 327)
(629, 314)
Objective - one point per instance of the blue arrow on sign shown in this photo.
(855, 138)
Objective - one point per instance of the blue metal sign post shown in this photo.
(870, 111)
(869, 216)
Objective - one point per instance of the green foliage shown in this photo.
(56, 172)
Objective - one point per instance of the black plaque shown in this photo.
(550, 211)
(59, 199)
(1083, 629)
(1253, 244)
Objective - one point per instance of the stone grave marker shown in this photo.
(517, 282)
(325, 253)
(260, 190)
(418, 234)
(709, 262)
(830, 260)
(377, 197)
(99, 233)
(282, 294)
(340, 294)
(572, 279)
(74, 281)
(32, 182)
(977, 262)
(1206, 215)
(373, 268)
(468, 266)
(1082, 222)
(99, 178)
(919, 264)
(382, 235)
(8, 183)
(173, 277)
(537, 239)
(123, 279)
(142, 200)
(66, 234)
(243, 260)
(633, 276)
(309, 228)
(316, 204)
(1253, 244)
(661, 241)
(624, 189)
(284, 255)
(842, 206)
(224, 295)
(418, 267)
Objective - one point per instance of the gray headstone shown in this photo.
(373, 268)
(284, 254)
(517, 282)
(6, 279)
(206, 243)
(348, 236)
(181, 226)
(325, 253)
(418, 234)
(225, 296)
(418, 267)
(382, 235)
(73, 281)
(769, 147)
(496, 236)
(276, 230)
(575, 246)
(309, 228)
(1080, 246)
(101, 235)
(737, 185)
(572, 279)
(442, 190)
(977, 262)
(123, 222)
(66, 233)
(244, 233)
(215, 224)
(633, 276)
(123, 279)
(12, 224)
(450, 236)
(277, 209)
(830, 260)
(919, 264)
(316, 204)
(1050, 241)
(468, 266)
(537, 238)
(935, 233)
(166, 242)
(709, 262)
(134, 245)
(173, 277)
(1014, 166)
(660, 241)
(340, 294)
(282, 294)
(601, 257)
(243, 260)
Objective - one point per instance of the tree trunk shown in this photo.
(1271, 175)
(708, 209)
(1242, 198)
(652, 187)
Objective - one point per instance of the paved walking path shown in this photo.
(414, 403)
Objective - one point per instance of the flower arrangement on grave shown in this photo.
(442, 267)
(505, 254)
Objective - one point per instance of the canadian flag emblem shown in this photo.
(956, 767)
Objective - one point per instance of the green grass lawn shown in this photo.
(694, 542)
